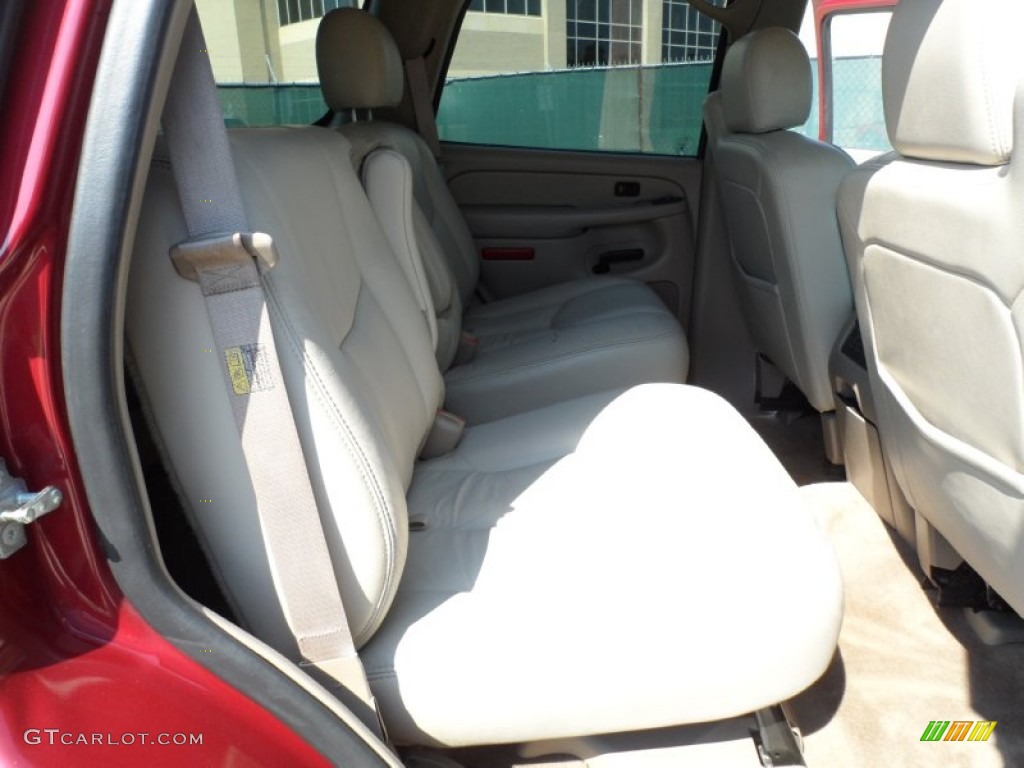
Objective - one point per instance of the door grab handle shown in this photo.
(605, 260)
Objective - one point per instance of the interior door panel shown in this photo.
(542, 217)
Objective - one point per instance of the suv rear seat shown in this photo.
(572, 339)
(626, 560)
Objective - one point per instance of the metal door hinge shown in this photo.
(18, 508)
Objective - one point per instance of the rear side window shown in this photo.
(853, 44)
(599, 75)
(264, 58)
(848, 81)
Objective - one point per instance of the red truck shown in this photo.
(114, 646)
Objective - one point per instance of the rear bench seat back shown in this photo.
(420, 236)
(597, 565)
(354, 352)
(571, 339)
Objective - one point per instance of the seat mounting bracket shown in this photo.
(778, 742)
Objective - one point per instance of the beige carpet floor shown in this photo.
(798, 444)
(902, 661)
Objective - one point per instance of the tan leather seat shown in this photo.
(778, 192)
(934, 234)
(591, 566)
(548, 345)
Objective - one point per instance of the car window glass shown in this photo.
(852, 75)
(854, 45)
(601, 75)
(264, 58)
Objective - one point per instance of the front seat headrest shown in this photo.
(949, 74)
(766, 82)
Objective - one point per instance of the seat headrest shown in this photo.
(766, 82)
(359, 63)
(949, 73)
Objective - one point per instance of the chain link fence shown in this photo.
(858, 120)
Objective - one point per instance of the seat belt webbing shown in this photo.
(426, 124)
(220, 254)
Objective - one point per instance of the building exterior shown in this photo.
(264, 41)
(561, 34)
(272, 41)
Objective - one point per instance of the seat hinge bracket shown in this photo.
(778, 742)
(19, 507)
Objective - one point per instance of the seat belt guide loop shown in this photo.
(224, 252)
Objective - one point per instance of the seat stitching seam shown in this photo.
(941, 267)
(990, 121)
(477, 470)
(553, 303)
(519, 338)
(568, 356)
(384, 673)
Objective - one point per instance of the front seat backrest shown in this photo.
(934, 234)
(778, 191)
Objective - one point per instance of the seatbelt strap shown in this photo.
(422, 103)
(221, 255)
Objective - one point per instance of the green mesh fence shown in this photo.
(656, 109)
(621, 109)
(287, 104)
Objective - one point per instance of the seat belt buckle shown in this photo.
(469, 345)
(444, 435)
(223, 251)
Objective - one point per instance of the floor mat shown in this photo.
(902, 662)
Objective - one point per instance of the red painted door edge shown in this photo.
(84, 680)
(823, 10)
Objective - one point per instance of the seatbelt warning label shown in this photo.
(248, 369)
